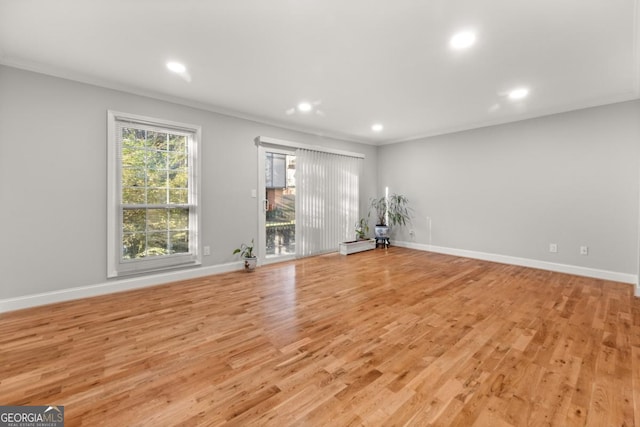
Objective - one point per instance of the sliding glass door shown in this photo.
(278, 205)
(308, 199)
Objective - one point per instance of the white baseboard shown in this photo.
(525, 262)
(112, 286)
(27, 301)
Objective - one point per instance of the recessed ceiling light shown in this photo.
(462, 40)
(519, 93)
(176, 67)
(377, 127)
(304, 107)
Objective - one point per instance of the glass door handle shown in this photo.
(265, 205)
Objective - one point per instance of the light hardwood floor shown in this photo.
(385, 337)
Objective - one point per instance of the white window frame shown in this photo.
(116, 265)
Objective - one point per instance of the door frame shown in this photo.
(262, 219)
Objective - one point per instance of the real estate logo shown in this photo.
(31, 416)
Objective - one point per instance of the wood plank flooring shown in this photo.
(387, 337)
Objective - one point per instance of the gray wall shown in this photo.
(53, 145)
(570, 179)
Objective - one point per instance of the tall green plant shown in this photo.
(399, 211)
(379, 206)
(395, 208)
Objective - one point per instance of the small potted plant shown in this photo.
(361, 243)
(362, 229)
(246, 252)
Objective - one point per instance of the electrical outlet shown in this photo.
(553, 247)
(206, 250)
(584, 250)
(412, 233)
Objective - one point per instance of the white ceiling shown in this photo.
(364, 61)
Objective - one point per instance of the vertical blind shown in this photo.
(327, 200)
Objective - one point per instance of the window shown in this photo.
(153, 183)
(277, 171)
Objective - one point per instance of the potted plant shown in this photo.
(362, 229)
(246, 252)
(361, 243)
(389, 211)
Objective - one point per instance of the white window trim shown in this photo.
(115, 265)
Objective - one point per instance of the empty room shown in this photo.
(319, 213)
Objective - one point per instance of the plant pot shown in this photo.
(250, 263)
(381, 231)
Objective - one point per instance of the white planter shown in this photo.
(250, 263)
(347, 248)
